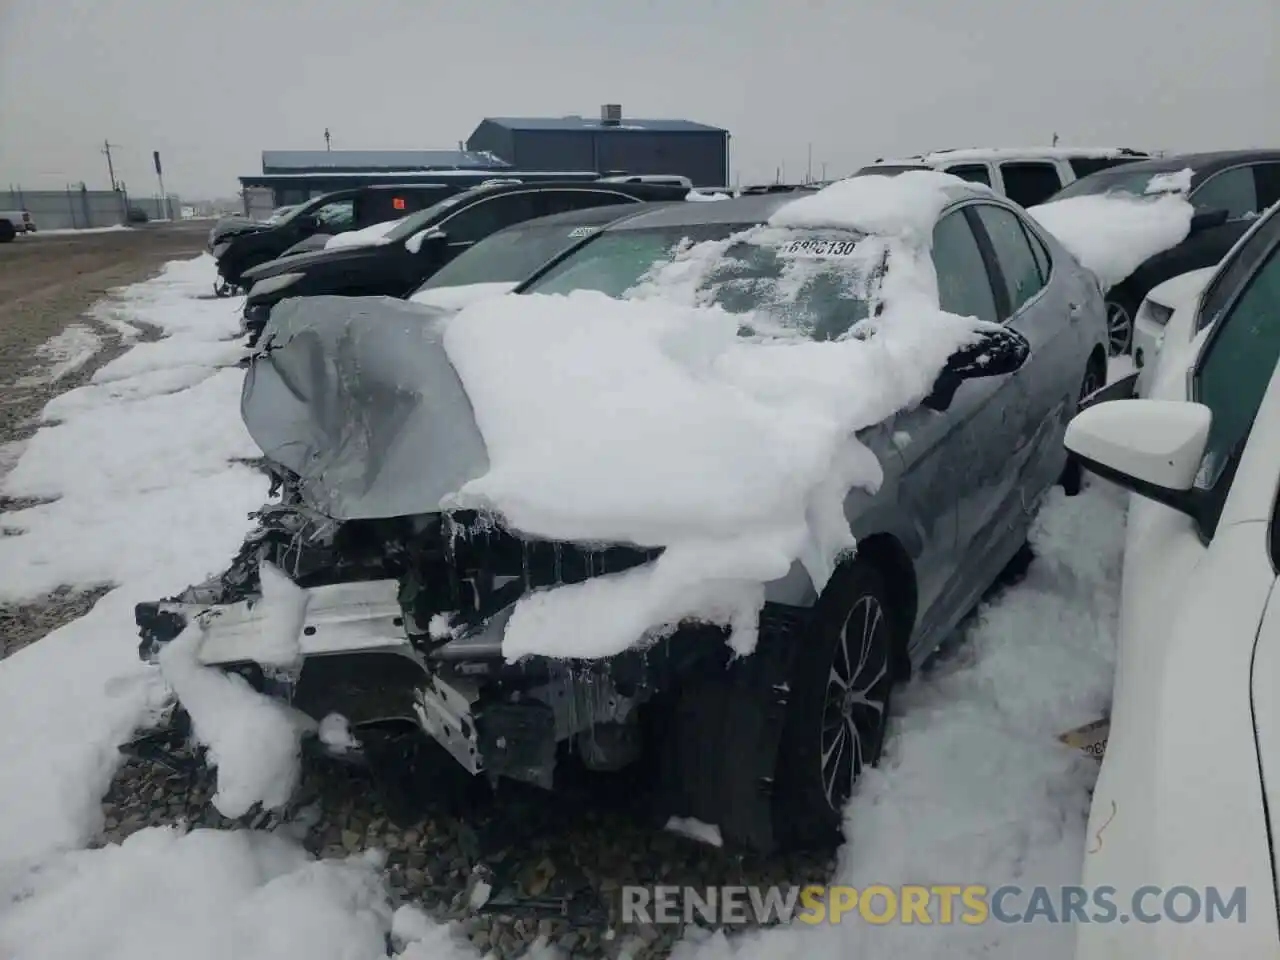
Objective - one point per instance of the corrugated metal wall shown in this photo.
(701, 157)
(77, 209)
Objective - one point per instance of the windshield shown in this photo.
(423, 218)
(509, 256)
(311, 206)
(1116, 180)
(793, 283)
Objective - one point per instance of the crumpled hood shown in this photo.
(358, 398)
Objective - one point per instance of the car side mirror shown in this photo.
(998, 351)
(432, 239)
(1152, 447)
(1204, 219)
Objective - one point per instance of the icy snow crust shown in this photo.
(648, 420)
(371, 236)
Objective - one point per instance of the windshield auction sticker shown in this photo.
(818, 248)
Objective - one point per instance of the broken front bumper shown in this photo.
(350, 653)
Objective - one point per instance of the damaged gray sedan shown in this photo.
(400, 606)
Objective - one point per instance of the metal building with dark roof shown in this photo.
(365, 161)
(610, 145)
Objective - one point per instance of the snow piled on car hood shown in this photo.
(1113, 234)
(649, 421)
(368, 237)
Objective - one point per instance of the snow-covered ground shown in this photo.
(76, 231)
(64, 354)
(974, 787)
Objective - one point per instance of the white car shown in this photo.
(1156, 318)
(1191, 775)
(1026, 175)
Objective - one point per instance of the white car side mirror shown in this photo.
(1152, 447)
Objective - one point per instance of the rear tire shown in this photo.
(841, 686)
(7, 231)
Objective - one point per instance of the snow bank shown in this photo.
(1113, 234)
(650, 421)
(213, 895)
(149, 501)
(253, 741)
(76, 231)
(699, 196)
(368, 237)
(973, 787)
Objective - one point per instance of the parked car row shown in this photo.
(769, 746)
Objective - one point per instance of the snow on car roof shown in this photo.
(870, 203)
(1010, 153)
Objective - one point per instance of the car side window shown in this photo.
(1233, 377)
(1027, 183)
(1232, 190)
(1083, 166)
(489, 215)
(339, 215)
(973, 172)
(1022, 276)
(964, 288)
(1266, 178)
(1235, 270)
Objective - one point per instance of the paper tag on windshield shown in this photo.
(577, 232)
(818, 248)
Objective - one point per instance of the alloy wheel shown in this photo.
(1119, 328)
(856, 700)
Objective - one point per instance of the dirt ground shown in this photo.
(46, 285)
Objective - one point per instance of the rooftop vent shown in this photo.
(611, 114)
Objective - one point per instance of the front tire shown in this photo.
(1095, 378)
(1121, 312)
(7, 232)
(841, 685)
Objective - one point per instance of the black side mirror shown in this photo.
(998, 351)
(1204, 219)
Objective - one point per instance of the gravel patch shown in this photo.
(553, 864)
(22, 624)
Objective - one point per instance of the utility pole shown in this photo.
(1055, 139)
(824, 171)
(326, 140)
(111, 170)
(808, 174)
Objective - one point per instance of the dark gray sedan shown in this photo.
(404, 606)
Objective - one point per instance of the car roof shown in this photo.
(1202, 163)
(982, 154)
(758, 209)
(641, 191)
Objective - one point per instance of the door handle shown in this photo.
(1074, 311)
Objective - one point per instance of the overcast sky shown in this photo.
(212, 83)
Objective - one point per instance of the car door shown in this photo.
(1193, 592)
(953, 461)
(1049, 382)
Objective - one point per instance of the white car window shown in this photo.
(1233, 376)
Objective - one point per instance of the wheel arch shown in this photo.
(890, 558)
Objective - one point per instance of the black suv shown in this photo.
(238, 244)
(1229, 190)
(400, 261)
